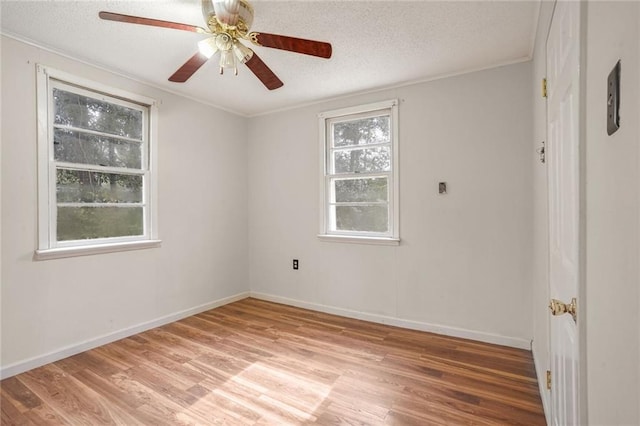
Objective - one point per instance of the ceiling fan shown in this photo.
(228, 22)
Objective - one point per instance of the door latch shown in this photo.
(558, 308)
(540, 152)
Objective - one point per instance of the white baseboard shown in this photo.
(399, 322)
(541, 374)
(38, 361)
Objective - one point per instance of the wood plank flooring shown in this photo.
(258, 363)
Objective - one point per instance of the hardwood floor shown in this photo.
(255, 362)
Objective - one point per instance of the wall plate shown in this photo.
(613, 100)
(442, 187)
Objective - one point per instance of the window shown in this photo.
(360, 174)
(96, 169)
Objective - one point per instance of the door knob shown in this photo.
(558, 308)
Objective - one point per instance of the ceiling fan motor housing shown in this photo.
(234, 13)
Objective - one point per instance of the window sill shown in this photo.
(382, 241)
(59, 253)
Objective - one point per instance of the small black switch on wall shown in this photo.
(442, 187)
(295, 263)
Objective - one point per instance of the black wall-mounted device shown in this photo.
(613, 100)
(442, 187)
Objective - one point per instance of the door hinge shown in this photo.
(544, 87)
(549, 379)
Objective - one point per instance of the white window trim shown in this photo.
(48, 248)
(394, 200)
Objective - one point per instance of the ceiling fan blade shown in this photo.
(189, 68)
(110, 16)
(263, 72)
(292, 44)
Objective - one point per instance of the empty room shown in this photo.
(254, 212)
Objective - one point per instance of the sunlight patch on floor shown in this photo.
(275, 393)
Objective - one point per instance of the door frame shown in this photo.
(582, 224)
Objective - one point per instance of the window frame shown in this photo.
(48, 245)
(325, 121)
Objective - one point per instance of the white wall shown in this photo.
(613, 208)
(540, 253)
(55, 306)
(465, 258)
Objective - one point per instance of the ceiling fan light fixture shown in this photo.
(242, 52)
(227, 60)
(208, 47)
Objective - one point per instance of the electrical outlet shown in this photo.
(295, 264)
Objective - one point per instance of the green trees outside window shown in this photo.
(99, 154)
(359, 171)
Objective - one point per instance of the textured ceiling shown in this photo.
(376, 44)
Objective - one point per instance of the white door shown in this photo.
(563, 156)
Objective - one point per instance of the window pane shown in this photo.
(78, 186)
(360, 190)
(362, 160)
(362, 218)
(81, 223)
(78, 147)
(362, 132)
(75, 110)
